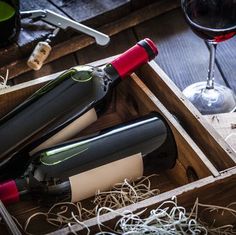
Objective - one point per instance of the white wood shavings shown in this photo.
(3, 84)
(167, 219)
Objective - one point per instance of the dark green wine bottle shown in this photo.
(63, 107)
(9, 21)
(80, 167)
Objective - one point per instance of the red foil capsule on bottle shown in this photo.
(9, 192)
(137, 55)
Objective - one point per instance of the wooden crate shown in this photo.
(199, 168)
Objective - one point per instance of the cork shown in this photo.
(39, 55)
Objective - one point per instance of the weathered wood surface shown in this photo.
(81, 11)
(77, 10)
(225, 125)
(30, 33)
(226, 58)
(60, 64)
(115, 47)
(94, 13)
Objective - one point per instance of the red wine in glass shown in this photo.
(214, 21)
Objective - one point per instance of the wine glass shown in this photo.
(213, 21)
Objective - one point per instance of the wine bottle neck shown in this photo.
(144, 51)
(30, 186)
(112, 73)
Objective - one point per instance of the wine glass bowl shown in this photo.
(214, 21)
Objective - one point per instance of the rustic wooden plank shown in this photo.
(94, 13)
(9, 53)
(39, 4)
(183, 56)
(32, 33)
(225, 125)
(119, 43)
(79, 42)
(4, 77)
(6, 218)
(226, 54)
(136, 4)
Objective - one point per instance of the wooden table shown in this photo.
(182, 55)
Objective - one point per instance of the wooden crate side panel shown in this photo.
(225, 125)
(212, 144)
(189, 152)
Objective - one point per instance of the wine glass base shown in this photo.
(221, 99)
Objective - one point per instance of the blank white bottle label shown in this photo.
(86, 184)
(69, 131)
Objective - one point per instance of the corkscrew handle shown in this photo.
(65, 23)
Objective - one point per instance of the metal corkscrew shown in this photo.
(42, 50)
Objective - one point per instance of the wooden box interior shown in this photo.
(219, 191)
(131, 99)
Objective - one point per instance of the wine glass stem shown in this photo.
(211, 70)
